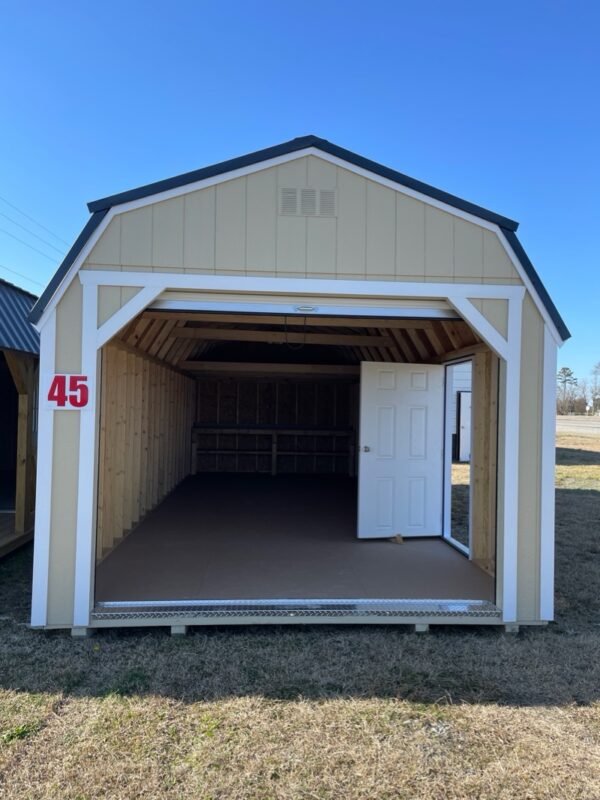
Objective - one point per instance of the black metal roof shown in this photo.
(16, 332)
(99, 208)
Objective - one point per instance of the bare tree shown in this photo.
(595, 388)
(566, 390)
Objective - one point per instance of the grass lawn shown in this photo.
(331, 712)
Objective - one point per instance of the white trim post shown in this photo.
(86, 504)
(511, 462)
(43, 495)
(548, 458)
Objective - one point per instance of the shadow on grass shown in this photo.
(572, 456)
(557, 665)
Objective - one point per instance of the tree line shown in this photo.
(578, 395)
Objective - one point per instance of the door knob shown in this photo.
(366, 449)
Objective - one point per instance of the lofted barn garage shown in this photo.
(264, 419)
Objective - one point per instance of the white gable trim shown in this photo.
(274, 162)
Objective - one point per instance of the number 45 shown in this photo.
(77, 396)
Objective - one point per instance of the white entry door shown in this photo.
(401, 450)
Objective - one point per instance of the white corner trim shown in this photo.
(511, 463)
(547, 500)
(86, 499)
(125, 314)
(43, 493)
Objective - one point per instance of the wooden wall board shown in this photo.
(147, 413)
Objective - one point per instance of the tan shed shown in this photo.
(295, 387)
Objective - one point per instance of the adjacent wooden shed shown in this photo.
(249, 383)
(19, 349)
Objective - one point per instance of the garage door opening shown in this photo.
(232, 453)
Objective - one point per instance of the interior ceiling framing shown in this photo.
(195, 342)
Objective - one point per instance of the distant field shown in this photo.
(337, 712)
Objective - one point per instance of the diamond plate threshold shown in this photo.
(285, 609)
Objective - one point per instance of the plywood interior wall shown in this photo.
(484, 459)
(235, 418)
(146, 415)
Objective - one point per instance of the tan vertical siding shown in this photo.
(167, 233)
(261, 222)
(136, 237)
(65, 474)
(236, 228)
(439, 244)
(199, 231)
(230, 248)
(495, 311)
(468, 250)
(532, 355)
(410, 237)
(351, 226)
(381, 229)
(65, 466)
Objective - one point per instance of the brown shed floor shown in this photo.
(224, 537)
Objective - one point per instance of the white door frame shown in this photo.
(326, 294)
(447, 519)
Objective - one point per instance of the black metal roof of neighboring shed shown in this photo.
(16, 332)
(100, 208)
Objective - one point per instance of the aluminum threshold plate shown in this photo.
(153, 609)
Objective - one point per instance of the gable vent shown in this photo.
(327, 203)
(289, 201)
(307, 202)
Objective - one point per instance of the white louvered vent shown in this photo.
(289, 201)
(327, 202)
(310, 203)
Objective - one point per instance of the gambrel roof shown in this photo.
(100, 208)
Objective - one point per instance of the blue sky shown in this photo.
(497, 103)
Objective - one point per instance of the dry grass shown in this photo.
(320, 712)
(459, 519)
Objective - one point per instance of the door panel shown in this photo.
(401, 450)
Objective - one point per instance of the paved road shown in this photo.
(589, 425)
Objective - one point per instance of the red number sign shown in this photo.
(69, 390)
